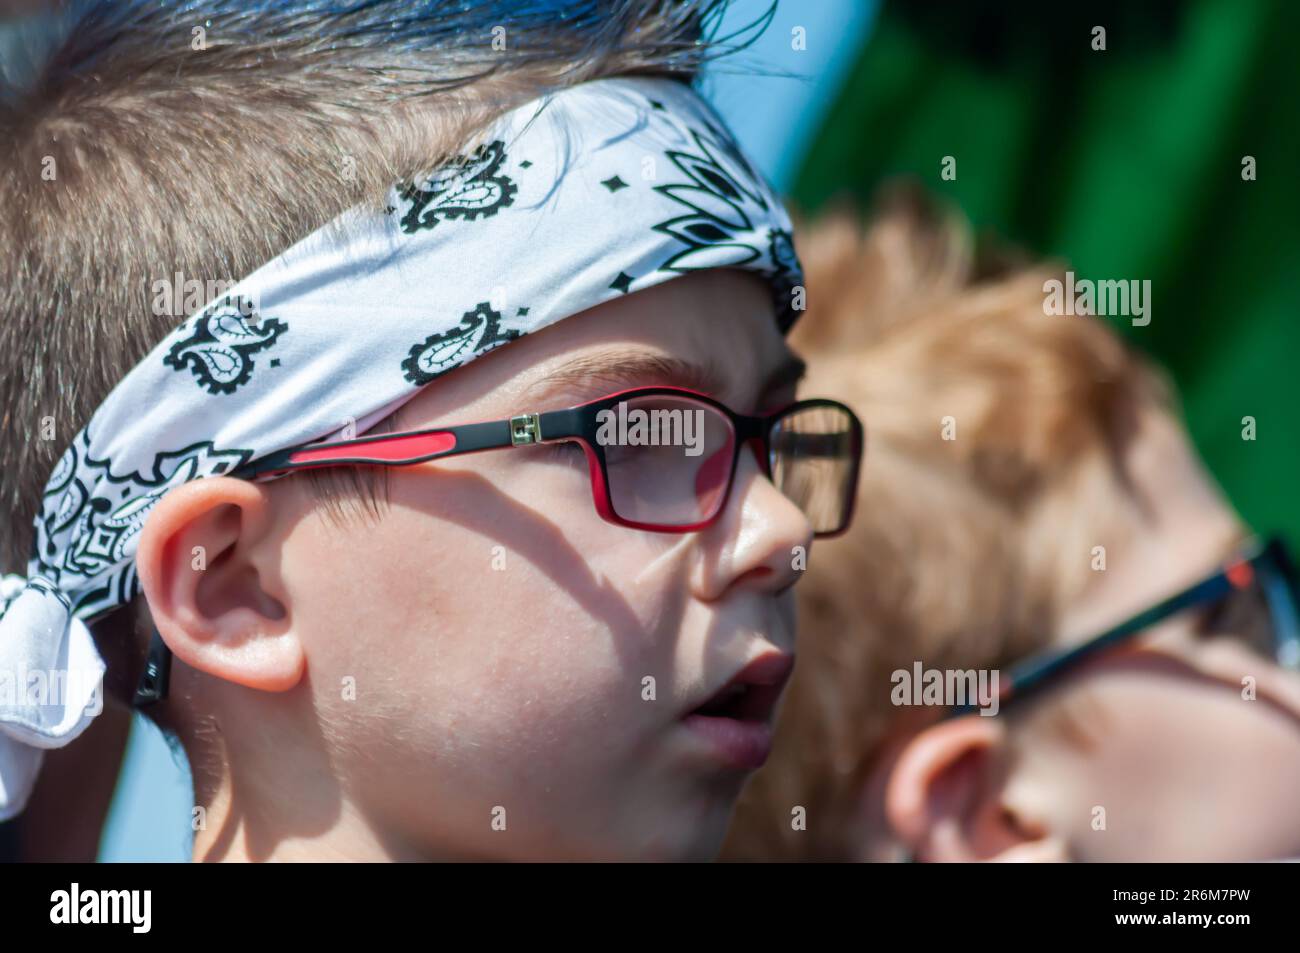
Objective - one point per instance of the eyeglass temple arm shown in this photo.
(467, 438)
(156, 677)
(1278, 582)
(520, 430)
(1035, 672)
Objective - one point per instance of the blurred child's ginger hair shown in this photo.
(994, 439)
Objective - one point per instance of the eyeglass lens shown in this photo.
(669, 460)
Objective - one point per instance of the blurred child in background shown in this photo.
(1028, 486)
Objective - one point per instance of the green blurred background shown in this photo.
(1126, 164)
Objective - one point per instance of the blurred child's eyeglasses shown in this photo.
(661, 459)
(1264, 572)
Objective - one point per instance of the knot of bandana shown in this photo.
(582, 196)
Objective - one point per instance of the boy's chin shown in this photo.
(702, 843)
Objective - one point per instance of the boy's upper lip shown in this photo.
(769, 671)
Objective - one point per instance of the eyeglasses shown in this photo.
(1267, 571)
(661, 459)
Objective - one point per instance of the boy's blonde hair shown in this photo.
(995, 435)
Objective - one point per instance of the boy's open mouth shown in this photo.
(736, 719)
(742, 702)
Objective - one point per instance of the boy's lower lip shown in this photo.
(741, 744)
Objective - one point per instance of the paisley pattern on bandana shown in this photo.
(722, 205)
(83, 533)
(784, 276)
(725, 196)
(220, 351)
(469, 187)
(479, 331)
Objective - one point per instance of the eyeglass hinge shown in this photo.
(526, 428)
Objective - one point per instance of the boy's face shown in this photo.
(521, 667)
(1183, 745)
(1185, 762)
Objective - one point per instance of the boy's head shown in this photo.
(1029, 486)
(1178, 739)
(480, 665)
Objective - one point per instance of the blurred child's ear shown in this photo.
(946, 798)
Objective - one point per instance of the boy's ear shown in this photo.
(947, 797)
(208, 562)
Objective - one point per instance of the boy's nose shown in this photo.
(760, 541)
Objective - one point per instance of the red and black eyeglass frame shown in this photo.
(580, 423)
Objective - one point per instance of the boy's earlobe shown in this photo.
(207, 562)
(946, 797)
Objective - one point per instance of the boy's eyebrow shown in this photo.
(606, 371)
(791, 370)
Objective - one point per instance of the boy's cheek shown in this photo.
(539, 673)
(1155, 737)
(473, 642)
(537, 687)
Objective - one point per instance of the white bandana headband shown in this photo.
(580, 197)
